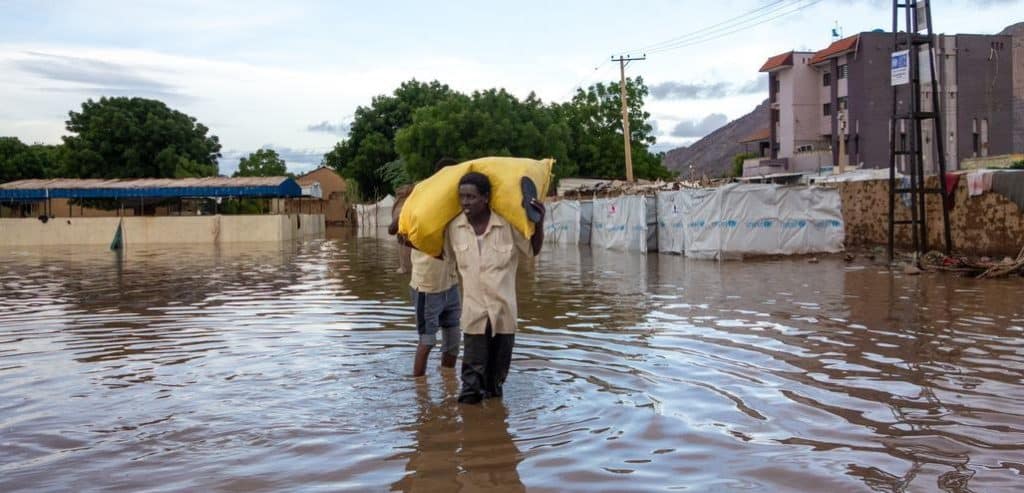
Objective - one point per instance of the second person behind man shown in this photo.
(434, 287)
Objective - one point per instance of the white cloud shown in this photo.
(298, 161)
(339, 129)
(270, 72)
(244, 104)
(701, 127)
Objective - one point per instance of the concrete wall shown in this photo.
(870, 100)
(296, 226)
(810, 161)
(988, 224)
(1018, 89)
(159, 230)
(60, 231)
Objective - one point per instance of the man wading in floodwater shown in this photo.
(486, 249)
(434, 287)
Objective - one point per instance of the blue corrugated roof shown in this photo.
(31, 190)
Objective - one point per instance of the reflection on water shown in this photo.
(459, 448)
(267, 367)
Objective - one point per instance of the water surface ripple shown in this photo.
(273, 367)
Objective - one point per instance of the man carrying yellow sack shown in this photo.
(435, 295)
(486, 249)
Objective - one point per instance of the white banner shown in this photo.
(764, 219)
(651, 223)
(620, 223)
(900, 67)
(562, 223)
(673, 210)
(586, 221)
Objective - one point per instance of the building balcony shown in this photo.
(763, 166)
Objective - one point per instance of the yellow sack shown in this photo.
(434, 202)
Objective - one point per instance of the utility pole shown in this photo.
(910, 45)
(625, 111)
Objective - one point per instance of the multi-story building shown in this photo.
(832, 108)
(795, 142)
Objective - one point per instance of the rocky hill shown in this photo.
(712, 155)
(1014, 29)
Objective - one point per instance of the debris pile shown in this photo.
(981, 268)
(615, 188)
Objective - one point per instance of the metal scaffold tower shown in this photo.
(914, 42)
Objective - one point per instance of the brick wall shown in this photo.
(988, 224)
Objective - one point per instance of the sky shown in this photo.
(289, 75)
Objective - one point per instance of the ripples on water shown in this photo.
(271, 367)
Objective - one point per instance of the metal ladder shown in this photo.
(910, 118)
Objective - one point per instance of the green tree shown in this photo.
(137, 138)
(488, 123)
(264, 162)
(421, 123)
(370, 142)
(737, 163)
(20, 161)
(594, 117)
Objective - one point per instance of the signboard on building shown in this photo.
(901, 67)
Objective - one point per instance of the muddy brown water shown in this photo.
(282, 367)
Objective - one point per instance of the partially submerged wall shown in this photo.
(158, 230)
(988, 224)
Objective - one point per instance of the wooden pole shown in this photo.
(625, 113)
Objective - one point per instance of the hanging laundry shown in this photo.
(979, 182)
(952, 180)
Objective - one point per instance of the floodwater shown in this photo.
(283, 367)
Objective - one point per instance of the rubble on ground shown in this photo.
(981, 268)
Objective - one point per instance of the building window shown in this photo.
(826, 79)
(843, 71)
(826, 109)
(984, 137)
(975, 138)
(842, 102)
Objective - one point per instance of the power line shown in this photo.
(749, 19)
(591, 75)
(713, 26)
(734, 29)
